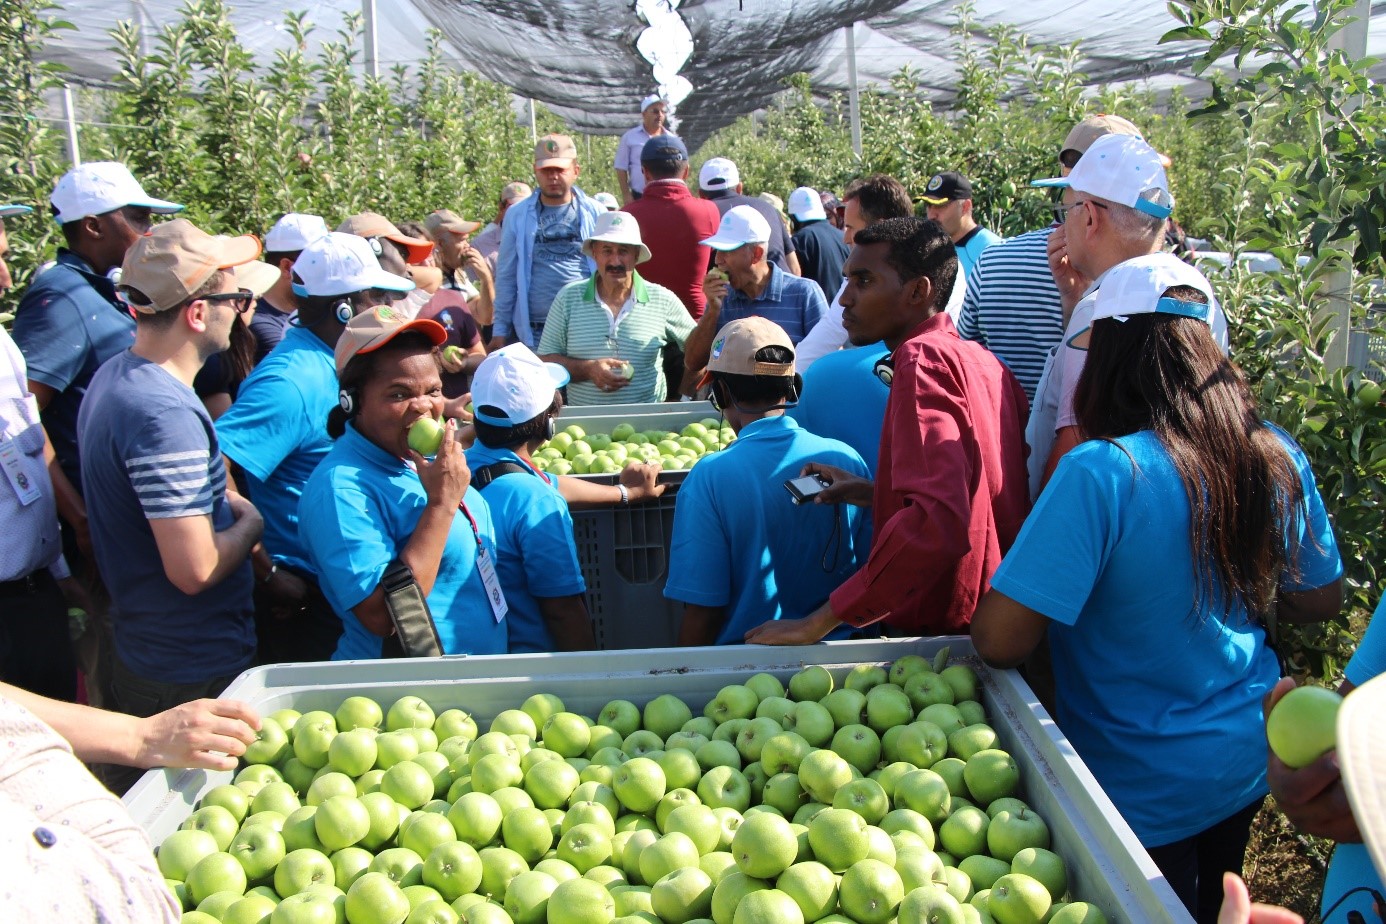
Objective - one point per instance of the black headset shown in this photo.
(719, 404)
(885, 369)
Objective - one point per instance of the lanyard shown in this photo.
(471, 521)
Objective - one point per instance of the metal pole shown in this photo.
(372, 46)
(853, 99)
(533, 126)
(74, 152)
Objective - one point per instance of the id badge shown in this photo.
(494, 594)
(13, 462)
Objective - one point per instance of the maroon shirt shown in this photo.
(951, 489)
(672, 222)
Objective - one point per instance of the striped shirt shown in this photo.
(1012, 305)
(793, 302)
(579, 326)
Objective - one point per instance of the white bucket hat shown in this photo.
(515, 383)
(617, 228)
(100, 187)
(339, 264)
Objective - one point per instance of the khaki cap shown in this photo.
(515, 192)
(375, 327)
(445, 220)
(171, 262)
(372, 224)
(554, 151)
(736, 345)
(1082, 135)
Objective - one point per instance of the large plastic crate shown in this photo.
(1106, 863)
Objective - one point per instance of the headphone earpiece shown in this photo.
(885, 369)
(795, 388)
(346, 400)
(343, 311)
(714, 398)
(550, 426)
(376, 247)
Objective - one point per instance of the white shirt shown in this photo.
(30, 539)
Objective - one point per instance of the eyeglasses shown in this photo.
(240, 300)
(1061, 211)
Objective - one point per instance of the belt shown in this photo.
(28, 585)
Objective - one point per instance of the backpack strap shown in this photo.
(483, 476)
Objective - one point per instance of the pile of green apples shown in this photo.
(574, 451)
(878, 795)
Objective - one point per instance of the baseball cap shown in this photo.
(341, 263)
(736, 345)
(100, 187)
(664, 148)
(617, 228)
(741, 225)
(717, 174)
(554, 151)
(1081, 136)
(293, 232)
(372, 329)
(6, 211)
(806, 205)
(514, 192)
(445, 220)
(1121, 169)
(257, 276)
(512, 385)
(166, 266)
(650, 100)
(1138, 286)
(948, 186)
(1362, 762)
(829, 200)
(606, 200)
(372, 224)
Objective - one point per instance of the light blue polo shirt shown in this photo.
(844, 400)
(793, 302)
(357, 513)
(741, 543)
(1161, 700)
(276, 431)
(536, 555)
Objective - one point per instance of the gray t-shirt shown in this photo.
(558, 258)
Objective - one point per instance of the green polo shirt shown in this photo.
(580, 327)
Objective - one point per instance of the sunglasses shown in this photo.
(240, 300)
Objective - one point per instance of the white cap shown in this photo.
(1138, 286)
(806, 205)
(741, 225)
(607, 201)
(339, 264)
(617, 228)
(7, 211)
(717, 174)
(100, 187)
(650, 100)
(1362, 761)
(294, 232)
(515, 383)
(1123, 169)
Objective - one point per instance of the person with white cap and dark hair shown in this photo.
(284, 241)
(719, 182)
(821, 247)
(608, 331)
(1186, 524)
(378, 517)
(654, 118)
(275, 434)
(171, 538)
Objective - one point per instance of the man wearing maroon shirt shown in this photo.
(951, 489)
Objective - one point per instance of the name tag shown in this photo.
(494, 595)
(13, 462)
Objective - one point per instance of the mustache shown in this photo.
(615, 268)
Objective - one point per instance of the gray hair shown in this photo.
(1137, 226)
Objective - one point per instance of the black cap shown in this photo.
(667, 148)
(948, 186)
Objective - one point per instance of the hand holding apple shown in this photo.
(206, 733)
(446, 478)
(639, 479)
(1313, 796)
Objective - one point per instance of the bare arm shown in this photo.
(623, 178)
(217, 404)
(1065, 438)
(638, 477)
(195, 556)
(1005, 632)
(1317, 605)
(698, 347)
(569, 622)
(792, 261)
(701, 624)
(71, 507)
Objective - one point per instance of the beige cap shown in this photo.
(736, 345)
(372, 224)
(445, 220)
(1082, 135)
(375, 327)
(171, 262)
(257, 276)
(515, 192)
(554, 151)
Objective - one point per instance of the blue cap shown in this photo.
(664, 147)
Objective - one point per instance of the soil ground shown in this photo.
(1284, 867)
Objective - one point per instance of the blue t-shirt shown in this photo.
(68, 324)
(1162, 703)
(844, 400)
(741, 543)
(794, 303)
(558, 257)
(149, 452)
(1351, 865)
(276, 431)
(971, 247)
(536, 555)
(357, 513)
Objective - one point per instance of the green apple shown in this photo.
(581, 901)
(311, 907)
(527, 897)
(514, 722)
(963, 680)
(812, 886)
(590, 791)
(922, 744)
(230, 798)
(1078, 913)
(904, 819)
(527, 832)
(409, 712)
(182, 850)
(764, 846)
(313, 735)
(409, 784)
(765, 685)
(325, 786)
(927, 793)
(733, 701)
(259, 774)
(1006, 804)
(600, 736)
(733, 889)
(688, 741)
(753, 736)
(865, 676)
(683, 895)
(717, 754)
(1044, 865)
(972, 712)
(1018, 899)
(384, 819)
(353, 752)
(376, 899)
(811, 684)
(892, 772)
(886, 707)
(670, 852)
(424, 832)
(674, 798)
(785, 793)
(951, 769)
(990, 775)
(983, 870)
(302, 869)
(395, 748)
(846, 706)
(905, 667)
(499, 865)
(585, 846)
(642, 742)
(964, 832)
(839, 838)
(822, 773)
(349, 864)
(270, 745)
(945, 715)
(560, 870)
(810, 721)
(1011, 832)
(252, 908)
(216, 872)
(426, 436)
(870, 892)
(717, 864)
(931, 904)
(918, 867)
(510, 798)
(783, 753)
(216, 821)
(725, 787)
(665, 714)
(926, 688)
(273, 820)
(879, 845)
(259, 849)
(362, 711)
(552, 783)
(859, 746)
(768, 906)
(626, 847)
(1302, 726)
(865, 797)
(699, 822)
(729, 729)
(622, 432)
(621, 716)
(775, 707)
(639, 783)
(403, 866)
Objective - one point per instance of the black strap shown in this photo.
(483, 476)
(415, 634)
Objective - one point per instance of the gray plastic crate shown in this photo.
(1106, 864)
